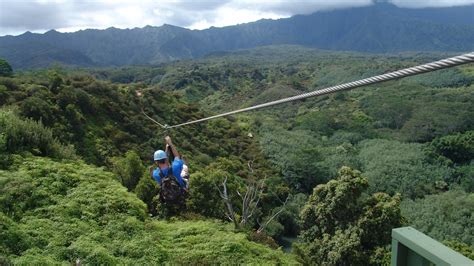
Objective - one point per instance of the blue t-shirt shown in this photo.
(177, 166)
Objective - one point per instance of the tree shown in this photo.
(342, 226)
(391, 112)
(250, 200)
(464, 176)
(305, 170)
(459, 147)
(38, 109)
(323, 122)
(204, 196)
(129, 169)
(60, 212)
(392, 166)
(3, 94)
(436, 119)
(55, 80)
(5, 68)
(287, 222)
(19, 135)
(444, 216)
(148, 190)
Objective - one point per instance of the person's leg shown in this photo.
(186, 182)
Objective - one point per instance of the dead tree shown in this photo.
(228, 203)
(250, 200)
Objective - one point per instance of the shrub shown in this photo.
(464, 176)
(26, 135)
(341, 226)
(204, 195)
(5, 68)
(147, 190)
(129, 169)
(393, 166)
(445, 216)
(459, 147)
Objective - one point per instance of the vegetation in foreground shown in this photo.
(56, 212)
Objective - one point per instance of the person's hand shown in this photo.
(168, 140)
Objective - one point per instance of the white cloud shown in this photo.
(288, 8)
(17, 16)
(226, 16)
(431, 3)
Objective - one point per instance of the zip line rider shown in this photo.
(163, 166)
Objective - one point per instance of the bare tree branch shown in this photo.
(228, 203)
(256, 203)
(250, 165)
(262, 227)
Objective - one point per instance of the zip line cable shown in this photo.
(153, 120)
(411, 71)
(165, 127)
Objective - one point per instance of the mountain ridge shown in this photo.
(396, 30)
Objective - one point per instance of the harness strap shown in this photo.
(170, 174)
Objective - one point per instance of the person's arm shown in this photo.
(156, 177)
(169, 152)
(172, 147)
(151, 170)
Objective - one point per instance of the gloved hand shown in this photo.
(168, 140)
(151, 169)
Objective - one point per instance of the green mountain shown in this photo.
(377, 28)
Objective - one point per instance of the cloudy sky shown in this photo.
(18, 16)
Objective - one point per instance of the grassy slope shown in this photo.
(56, 212)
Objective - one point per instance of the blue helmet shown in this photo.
(159, 155)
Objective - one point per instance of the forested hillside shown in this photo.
(87, 213)
(75, 149)
(413, 136)
(397, 29)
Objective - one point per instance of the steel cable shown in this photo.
(445, 63)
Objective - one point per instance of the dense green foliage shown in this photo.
(104, 120)
(80, 110)
(341, 226)
(17, 136)
(411, 136)
(458, 148)
(330, 130)
(62, 211)
(414, 176)
(129, 169)
(462, 248)
(446, 216)
(5, 68)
